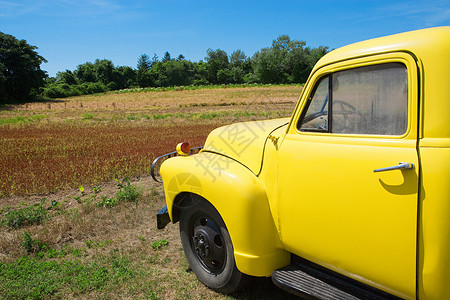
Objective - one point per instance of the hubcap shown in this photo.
(208, 244)
(201, 245)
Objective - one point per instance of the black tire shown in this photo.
(208, 248)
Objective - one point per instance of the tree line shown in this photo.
(285, 61)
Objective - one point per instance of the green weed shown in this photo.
(244, 114)
(158, 244)
(106, 201)
(32, 246)
(126, 193)
(37, 118)
(97, 245)
(88, 116)
(162, 116)
(86, 200)
(210, 116)
(28, 215)
(96, 189)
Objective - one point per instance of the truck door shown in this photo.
(348, 172)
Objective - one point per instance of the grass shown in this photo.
(22, 120)
(102, 253)
(191, 88)
(37, 279)
(73, 227)
(26, 214)
(43, 264)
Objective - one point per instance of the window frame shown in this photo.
(413, 76)
(308, 104)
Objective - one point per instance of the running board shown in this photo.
(310, 281)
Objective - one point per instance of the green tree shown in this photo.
(317, 53)
(166, 57)
(66, 77)
(3, 80)
(199, 73)
(240, 65)
(216, 60)
(154, 60)
(237, 58)
(267, 66)
(287, 61)
(173, 73)
(144, 63)
(85, 72)
(143, 76)
(21, 76)
(127, 76)
(104, 71)
(224, 76)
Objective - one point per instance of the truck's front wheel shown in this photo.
(208, 248)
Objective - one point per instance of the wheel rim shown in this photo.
(208, 245)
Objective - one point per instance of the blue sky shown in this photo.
(71, 32)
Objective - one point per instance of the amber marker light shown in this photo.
(183, 148)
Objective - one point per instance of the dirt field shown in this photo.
(87, 140)
(86, 240)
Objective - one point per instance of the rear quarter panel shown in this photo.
(434, 225)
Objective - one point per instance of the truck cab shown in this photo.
(350, 197)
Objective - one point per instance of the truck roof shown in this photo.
(423, 43)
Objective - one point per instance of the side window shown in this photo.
(316, 117)
(365, 100)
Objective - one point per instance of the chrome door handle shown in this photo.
(400, 166)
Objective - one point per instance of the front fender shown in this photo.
(239, 197)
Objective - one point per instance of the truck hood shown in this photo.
(243, 142)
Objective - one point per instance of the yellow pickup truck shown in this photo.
(347, 199)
